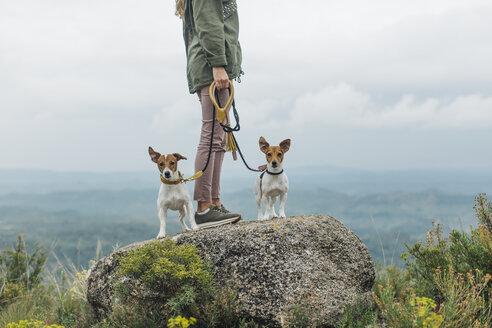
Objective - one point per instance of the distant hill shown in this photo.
(235, 178)
(74, 222)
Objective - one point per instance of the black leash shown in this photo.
(242, 157)
(227, 129)
(236, 118)
(230, 130)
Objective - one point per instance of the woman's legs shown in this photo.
(207, 187)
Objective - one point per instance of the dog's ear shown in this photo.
(285, 145)
(263, 145)
(154, 155)
(179, 156)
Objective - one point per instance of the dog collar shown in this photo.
(272, 173)
(180, 179)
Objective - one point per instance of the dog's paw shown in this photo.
(282, 215)
(187, 229)
(195, 228)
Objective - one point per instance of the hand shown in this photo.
(220, 77)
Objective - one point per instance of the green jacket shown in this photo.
(211, 31)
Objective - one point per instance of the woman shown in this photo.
(210, 31)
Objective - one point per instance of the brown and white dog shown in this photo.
(273, 182)
(173, 193)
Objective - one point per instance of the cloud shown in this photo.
(388, 47)
(343, 105)
(181, 116)
(101, 79)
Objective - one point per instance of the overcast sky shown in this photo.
(383, 84)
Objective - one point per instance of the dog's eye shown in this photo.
(279, 154)
(172, 163)
(269, 155)
(161, 164)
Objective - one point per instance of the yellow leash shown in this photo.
(221, 112)
(222, 115)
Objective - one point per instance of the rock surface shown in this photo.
(274, 264)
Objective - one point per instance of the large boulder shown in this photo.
(274, 264)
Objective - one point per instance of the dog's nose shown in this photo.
(167, 174)
(274, 164)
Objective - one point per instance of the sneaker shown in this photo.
(225, 210)
(215, 217)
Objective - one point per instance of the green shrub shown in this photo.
(463, 304)
(465, 298)
(176, 280)
(164, 266)
(461, 251)
(407, 310)
(448, 280)
(19, 270)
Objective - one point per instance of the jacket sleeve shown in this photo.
(209, 24)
